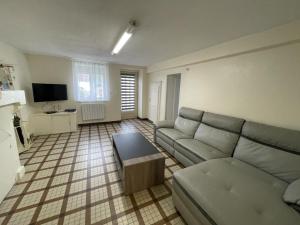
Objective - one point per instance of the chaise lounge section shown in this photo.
(255, 183)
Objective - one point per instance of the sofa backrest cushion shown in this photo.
(186, 126)
(219, 131)
(191, 114)
(227, 123)
(286, 139)
(222, 140)
(272, 149)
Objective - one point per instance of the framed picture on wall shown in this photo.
(6, 81)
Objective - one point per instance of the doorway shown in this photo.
(172, 96)
(128, 95)
(154, 101)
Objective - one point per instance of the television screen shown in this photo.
(49, 92)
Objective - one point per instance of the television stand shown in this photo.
(54, 123)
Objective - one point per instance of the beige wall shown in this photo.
(50, 69)
(21, 74)
(9, 156)
(142, 94)
(256, 77)
(10, 161)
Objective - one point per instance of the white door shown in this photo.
(154, 101)
(172, 96)
(129, 95)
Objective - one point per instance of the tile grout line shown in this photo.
(39, 208)
(68, 187)
(150, 191)
(86, 146)
(57, 167)
(15, 206)
(161, 211)
(135, 206)
(107, 200)
(88, 184)
(109, 190)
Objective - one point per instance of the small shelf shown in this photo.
(60, 122)
(12, 97)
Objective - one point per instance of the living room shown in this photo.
(160, 112)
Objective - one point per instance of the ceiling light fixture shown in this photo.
(124, 38)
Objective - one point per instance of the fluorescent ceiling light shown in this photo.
(124, 38)
(122, 41)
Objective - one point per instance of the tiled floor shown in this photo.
(71, 179)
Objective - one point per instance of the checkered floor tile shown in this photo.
(71, 178)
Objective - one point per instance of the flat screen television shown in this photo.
(49, 92)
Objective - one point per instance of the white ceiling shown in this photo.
(168, 28)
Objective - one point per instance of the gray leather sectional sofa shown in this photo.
(238, 172)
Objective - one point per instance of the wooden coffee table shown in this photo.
(139, 163)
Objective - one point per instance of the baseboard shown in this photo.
(140, 118)
(114, 121)
(145, 119)
(20, 173)
(96, 123)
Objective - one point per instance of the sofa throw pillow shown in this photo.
(292, 193)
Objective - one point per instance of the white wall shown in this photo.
(21, 74)
(9, 157)
(50, 69)
(255, 77)
(142, 94)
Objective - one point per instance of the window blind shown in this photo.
(128, 89)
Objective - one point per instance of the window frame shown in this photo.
(98, 73)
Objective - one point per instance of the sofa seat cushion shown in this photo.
(169, 135)
(197, 151)
(231, 192)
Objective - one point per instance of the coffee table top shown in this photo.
(133, 145)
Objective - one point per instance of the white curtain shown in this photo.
(91, 82)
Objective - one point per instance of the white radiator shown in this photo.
(93, 111)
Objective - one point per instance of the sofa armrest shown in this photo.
(164, 124)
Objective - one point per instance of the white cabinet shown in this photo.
(60, 122)
(41, 124)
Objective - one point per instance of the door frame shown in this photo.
(159, 83)
(130, 114)
(167, 87)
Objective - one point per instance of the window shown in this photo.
(128, 90)
(91, 82)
